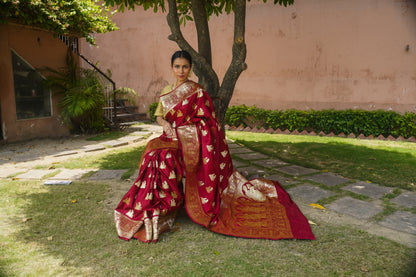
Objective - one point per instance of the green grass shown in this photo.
(110, 135)
(45, 234)
(382, 162)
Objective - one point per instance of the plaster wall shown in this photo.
(40, 49)
(317, 54)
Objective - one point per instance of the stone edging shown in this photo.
(296, 132)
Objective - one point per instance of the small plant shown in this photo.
(82, 96)
(152, 110)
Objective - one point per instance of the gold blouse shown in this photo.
(159, 110)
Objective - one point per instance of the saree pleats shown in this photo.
(216, 196)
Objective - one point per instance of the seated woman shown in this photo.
(193, 147)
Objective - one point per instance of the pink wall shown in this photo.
(40, 49)
(313, 55)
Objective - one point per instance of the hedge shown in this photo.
(374, 123)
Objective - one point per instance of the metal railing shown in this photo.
(110, 110)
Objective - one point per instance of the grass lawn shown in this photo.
(385, 163)
(68, 231)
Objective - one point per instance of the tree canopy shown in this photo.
(65, 17)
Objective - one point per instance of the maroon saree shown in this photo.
(214, 194)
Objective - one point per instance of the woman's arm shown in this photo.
(167, 127)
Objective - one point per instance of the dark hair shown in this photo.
(181, 54)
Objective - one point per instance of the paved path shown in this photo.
(306, 186)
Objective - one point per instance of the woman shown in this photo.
(193, 147)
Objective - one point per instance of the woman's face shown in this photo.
(181, 69)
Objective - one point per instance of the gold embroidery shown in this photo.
(210, 147)
(172, 112)
(179, 114)
(162, 165)
(143, 184)
(127, 200)
(222, 165)
(152, 153)
(149, 196)
(138, 184)
(165, 185)
(168, 156)
(173, 202)
(162, 194)
(138, 206)
(200, 94)
(206, 160)
(224, 153)
(207, 103)
(212, 176)
(187, 118)
(174, 124)
(204, 200)
(172, 175)
(204, 132)
(209, 189)
(213, 114)
(200, 112)
(221, 177)
(174, 195)
(200, 183)
(194, 106)
(130, 213)
(184, 102)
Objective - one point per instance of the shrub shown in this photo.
(152, 109)
(346, 121)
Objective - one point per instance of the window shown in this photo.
(32, 99)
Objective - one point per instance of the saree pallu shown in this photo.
(215, 195)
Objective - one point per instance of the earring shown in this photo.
(190, 73)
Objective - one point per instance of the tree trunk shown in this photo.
(202, 64)
(238, 64)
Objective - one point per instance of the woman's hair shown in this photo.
(181, 54)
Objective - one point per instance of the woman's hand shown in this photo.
(167, 127)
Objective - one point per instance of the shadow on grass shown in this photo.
(394, 166)
(82, 235)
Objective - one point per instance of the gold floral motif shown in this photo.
(188, 118)
(149, 196)
(184, 102)
(200, 94)
(127, 200)
(138, 184)
(172, 175)
(174, 124)
(194, 106)
(213, 114)
(207, 103)
(224, 153)
(204, 132)
(209, 189)
(210, 148)
(130, 213)
(203, 123)
(221, 177)
(152, 153)
(174, 195)
(200, 183)
(173, 202)
(162, 194)
(212, 176)
(204, 200)
(172, 112)
(162, 165)
(200, 112)
(143, 184)
(138, 206)
(206, 160)
(165, 185)
(179, 113)
(168, 156)
(222, 165)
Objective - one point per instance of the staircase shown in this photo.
(117, 112)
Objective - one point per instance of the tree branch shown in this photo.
(200, 65)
